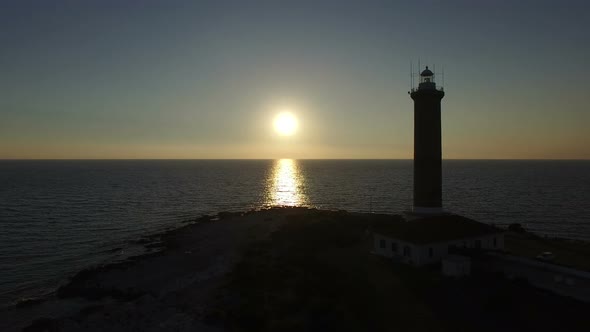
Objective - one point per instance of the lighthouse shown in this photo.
(430, 231)
(427, 145)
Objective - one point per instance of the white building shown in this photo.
(428, 240)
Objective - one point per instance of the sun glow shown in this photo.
(285, 124)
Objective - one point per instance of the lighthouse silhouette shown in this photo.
(427, 145)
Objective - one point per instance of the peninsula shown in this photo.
(298, 269)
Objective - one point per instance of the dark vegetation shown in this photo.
(311, 275)
(316, 274)
(516, 227)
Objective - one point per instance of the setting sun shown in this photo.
(285, 124)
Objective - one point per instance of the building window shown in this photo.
(478, 244)
(407, 251)
(394, 246)
(382, 243)
(464, 244)
(495, 243)
(430, 252)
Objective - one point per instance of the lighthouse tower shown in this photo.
(427, 145)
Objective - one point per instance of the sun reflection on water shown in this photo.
(285, 183)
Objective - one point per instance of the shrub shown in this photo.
(516, 227)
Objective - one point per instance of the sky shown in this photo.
(205, 79)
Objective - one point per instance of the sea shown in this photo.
(58, 217)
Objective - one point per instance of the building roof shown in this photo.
(432, 229)
(426, 72)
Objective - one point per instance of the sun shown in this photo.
(285, 124)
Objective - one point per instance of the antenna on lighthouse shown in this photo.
(443, 77)
(411, 76)
(434, 71)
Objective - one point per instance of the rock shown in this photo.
(43, 325)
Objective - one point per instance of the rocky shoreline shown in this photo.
(168, 289)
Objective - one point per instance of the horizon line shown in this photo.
(213, 159)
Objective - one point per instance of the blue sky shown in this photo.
(204, 79)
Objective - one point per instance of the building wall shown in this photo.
(427, 147)
(387, 251)
(423, 254)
